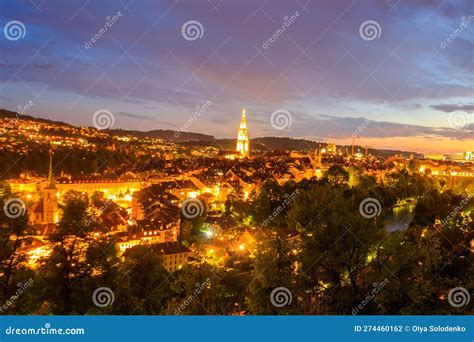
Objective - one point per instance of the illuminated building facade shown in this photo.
(110, 187)
(243, 138)
(174, 255)
(331, 149)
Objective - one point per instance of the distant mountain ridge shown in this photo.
(192, 139)
(169, 135)
(174, 136)
(289, 144)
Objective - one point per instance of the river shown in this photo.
(399, 218)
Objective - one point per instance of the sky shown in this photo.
(392, 74)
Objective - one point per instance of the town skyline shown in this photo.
(357, 141)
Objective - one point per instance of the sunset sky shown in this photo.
(408, 88)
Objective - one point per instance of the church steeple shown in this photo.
(47, 210)
(51, 184)
(243, 137)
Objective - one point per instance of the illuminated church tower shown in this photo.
(243, 138)
(45, 211)
(50, 201)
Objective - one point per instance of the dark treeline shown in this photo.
(72, 161)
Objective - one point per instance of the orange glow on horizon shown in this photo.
(414, 144)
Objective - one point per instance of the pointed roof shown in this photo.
(51, 184)
(243, 121)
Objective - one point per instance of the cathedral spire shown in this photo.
(243, 137)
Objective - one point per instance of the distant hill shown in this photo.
(170, 135)
(191, 139)
(277, 143)
(4, 113)
(264, 144)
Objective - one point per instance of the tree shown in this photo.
(270, 203)
(337, 242)
(13, 231)
(421, 267)
(76, 257)
(207, 290)
(236, 208)
(433, 206)
(337, 174)
(143, 284)
(272, 268)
